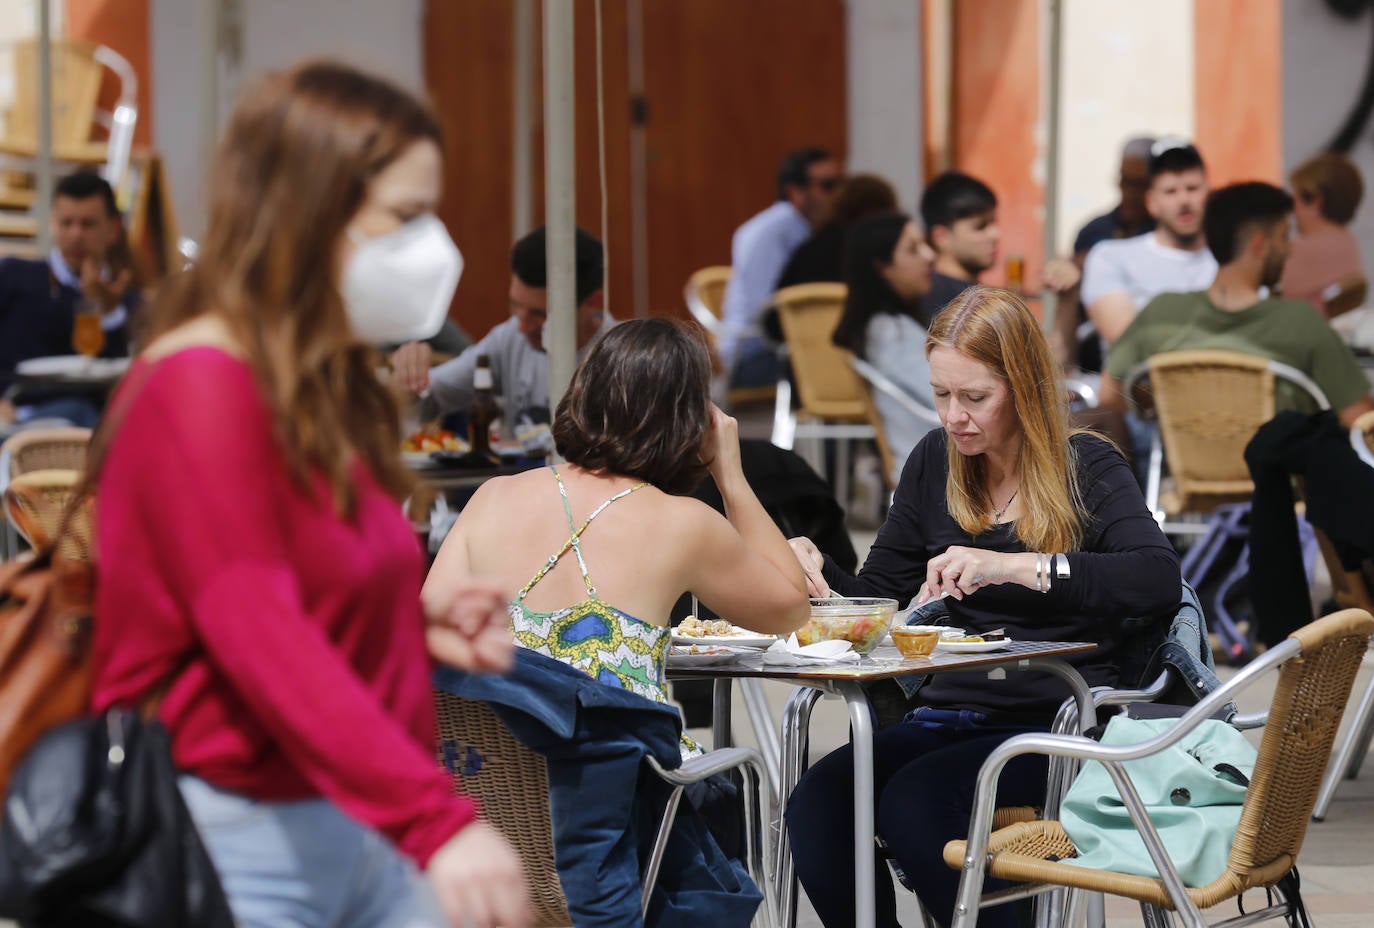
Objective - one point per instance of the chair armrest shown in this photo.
(883, 385)
(696, 769)
(1083, 390)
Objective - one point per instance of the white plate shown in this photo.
(418, 459)
(746, 639)
(72, 365)
(712, 655)
(971, 647)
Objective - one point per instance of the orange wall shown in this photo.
(995, 109)
(1239, 89)
(122, 25)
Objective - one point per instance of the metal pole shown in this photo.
(560, 196)
(522, 192)
(1050, 299)
(44, 179)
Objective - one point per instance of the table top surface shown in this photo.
(881, 664)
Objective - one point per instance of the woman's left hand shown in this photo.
(960, 571)
(472, 631)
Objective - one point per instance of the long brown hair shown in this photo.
(291, 171)
(993, 327)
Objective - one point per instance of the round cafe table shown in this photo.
(71, 372)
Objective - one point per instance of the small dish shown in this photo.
(702, 655)
(743, 639)
(972, 647)
(916, 640)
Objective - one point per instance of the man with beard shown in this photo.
(1247, 229)
(1120, 277)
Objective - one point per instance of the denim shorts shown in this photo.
(304, 864)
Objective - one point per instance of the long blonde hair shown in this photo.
(995, 328)
(290, 172)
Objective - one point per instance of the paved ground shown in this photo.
(1337, 859)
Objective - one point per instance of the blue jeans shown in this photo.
(924, 770)
(80, 411)
(304, 864)
(756, 364)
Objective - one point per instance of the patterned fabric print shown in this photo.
(610, 646)
(601, 641)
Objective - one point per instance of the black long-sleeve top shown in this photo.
(1125, 568)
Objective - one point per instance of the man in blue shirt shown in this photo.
(807, 181)
(39, 298)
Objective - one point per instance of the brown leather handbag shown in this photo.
(45, 635)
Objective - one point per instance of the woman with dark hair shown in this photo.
(1021, 524)
(887, 272)
(255, 568)
(638, 432)
(821, 257)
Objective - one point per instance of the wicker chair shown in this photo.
(1345, 295)
(45, 449)
(1316, 666)
(37, 448)
(1209, 404)
(704, 295)
(1351, 589)
(830, 395)
(512, 785)
(35, 504)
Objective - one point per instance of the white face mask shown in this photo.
(397, 287)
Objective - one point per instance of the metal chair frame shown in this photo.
(974, 854)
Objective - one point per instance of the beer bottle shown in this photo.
(483, 411)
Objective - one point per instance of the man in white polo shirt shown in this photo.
(1122, 275)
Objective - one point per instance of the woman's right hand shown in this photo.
(721, 447)
(812, 564)
(410, 366)
(479, 880)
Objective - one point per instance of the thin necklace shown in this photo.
(997, 514)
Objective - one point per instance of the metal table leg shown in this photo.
(796, 724)
(765, 732)
(861, 736)
(720, 714)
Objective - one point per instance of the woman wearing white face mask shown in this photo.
(254, 561)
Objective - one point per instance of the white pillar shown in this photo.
(560, 197)
(883, 64)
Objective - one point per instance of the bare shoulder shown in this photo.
(688, 515)
(206, 331)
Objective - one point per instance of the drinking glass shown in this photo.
(88, 336)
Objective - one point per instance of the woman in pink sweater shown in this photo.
(253, 556)
(1327, 190)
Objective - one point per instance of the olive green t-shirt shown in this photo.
(1288, 331)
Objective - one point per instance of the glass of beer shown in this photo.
(88, 336)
